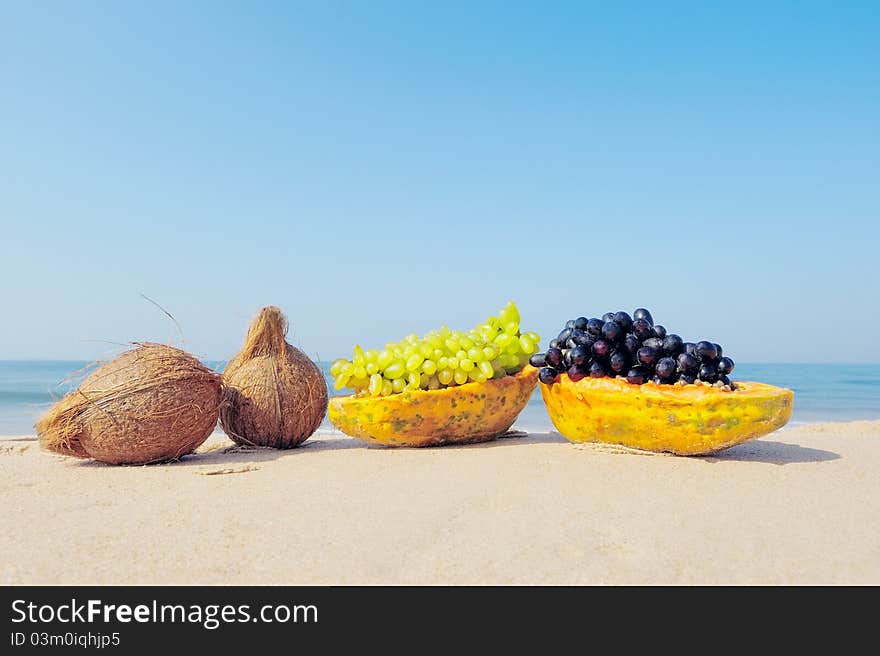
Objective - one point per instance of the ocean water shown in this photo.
(823, 392)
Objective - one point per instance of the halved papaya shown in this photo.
(463, 414)
(685, 420)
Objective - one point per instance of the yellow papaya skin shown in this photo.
(685, 420)
(473, 412)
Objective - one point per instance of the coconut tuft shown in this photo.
(58, 432)
(274, 395)
(151, 404)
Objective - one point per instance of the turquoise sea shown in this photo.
(823, 392)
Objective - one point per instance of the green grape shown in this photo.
(385, 358)
(477, 376)
(508, 360)
(441, 357)
(413, 380)
(414, 361)
(486, 368)
(359, 383)
(526, 343)
(395, 370)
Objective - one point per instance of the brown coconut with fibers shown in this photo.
(151, 404)
(274, 394)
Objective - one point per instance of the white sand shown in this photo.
(799, 506)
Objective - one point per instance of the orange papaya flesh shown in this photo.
(685, 420)
(463, 414)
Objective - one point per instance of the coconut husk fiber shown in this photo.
(274, 395)
(151, 404)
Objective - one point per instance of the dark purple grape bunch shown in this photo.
(631, 347)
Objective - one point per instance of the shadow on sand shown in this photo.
(774, 453)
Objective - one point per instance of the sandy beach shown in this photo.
(799, 506)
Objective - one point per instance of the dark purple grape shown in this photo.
(624, 321)
(642, 329)
(611, 331)
(575, 373)
(687, 364)
(538, 360)
(608, 316)
(659, 331)
(596, 370)
(654, 342)
(553, 357)
(725, 366)
(579, 338)
(569, 323)
(637, 375)
(566, 359)
(647, 355)
(642, 313)
(665, 368)
(619, 362)
(579, 355)
(562, 338)
(580, 323)
(601, 348)
(724, 379)
(705, 351)
(594, 327)
(690, 379)
(719, 350)
(708, 373)
(673, 344)
(547, 375)
(689, 348)
(632, 344)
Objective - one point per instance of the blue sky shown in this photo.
(379, 168)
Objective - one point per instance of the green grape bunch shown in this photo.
(441, 358)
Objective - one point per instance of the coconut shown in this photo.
(151, 404)
(274, 394)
